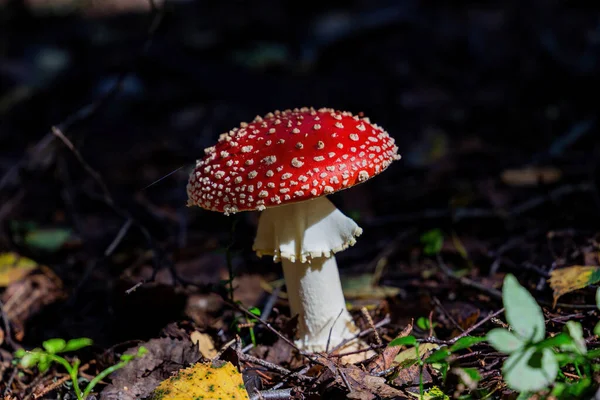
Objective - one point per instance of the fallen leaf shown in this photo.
(411, 375)
(411, 354)
(139, 378)
(26, 297)
(531, 176)
(365, 386)
(50, 239)
(205, 344)
(14, 267)
(568, 279)
(385, 360)
(361, 287)
(213, 380)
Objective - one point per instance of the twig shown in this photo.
(496, 293)
(365, 332)
(280, 394)
(91, 171)
(331, 330)
(476, 326)
(438, 303)
(343, 375)
(7, 328)
(276, 368)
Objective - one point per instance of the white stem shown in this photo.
(304, 237)
(315, 295)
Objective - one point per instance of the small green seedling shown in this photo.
(432, 242)
(534, 361)
(42, 358)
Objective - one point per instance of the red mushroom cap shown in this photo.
(287, 157)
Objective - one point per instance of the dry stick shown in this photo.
(477, 325)
(282, 394)
(51, 387)
(343, 375)
(7, 328)
(447, 314)
(276, 368)
(267, 325)
(378, 325)
(496, 293)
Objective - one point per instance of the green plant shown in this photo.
(42, 358)
(534, 362)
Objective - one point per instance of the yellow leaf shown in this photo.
(13, 267)
(568, 279)
(411, 354)
(205, 344)
(203, 381)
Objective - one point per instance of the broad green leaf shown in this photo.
(466, 342)
(576, 332)
(438, 355)
(598, 297)
(530, 370)
(54, 346)
(597, 329)
(562, 339)
(403, 341)
(432, 241)
(76, 344)
(504, 341)
(522, 311)
(47, 239)
(568, 279)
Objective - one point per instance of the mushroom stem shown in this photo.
(304, 236)
(315, 295)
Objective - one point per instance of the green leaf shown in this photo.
(76, 344)
(423, 323)
(598, 297)
(432, 241)
(29, 359)
(597, 329)
(592, 354)
(255, 311)
(466, 342)
(404, 341)
(504, 341)
(54, 346)
(47, 239)
(44, 362)
(438, 355)
(522, 311)
(576, 332)
(530, 370)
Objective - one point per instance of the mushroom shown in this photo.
(284, 164)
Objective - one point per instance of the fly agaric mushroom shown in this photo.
(284, 165)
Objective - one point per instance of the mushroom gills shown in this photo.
(305, 236)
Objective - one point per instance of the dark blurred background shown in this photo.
(470, 90)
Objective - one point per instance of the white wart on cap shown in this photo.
(287, 157)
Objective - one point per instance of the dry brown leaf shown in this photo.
(385, 360)
(139, 378)
(568, 279)
(531, 176)
(365, 386)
